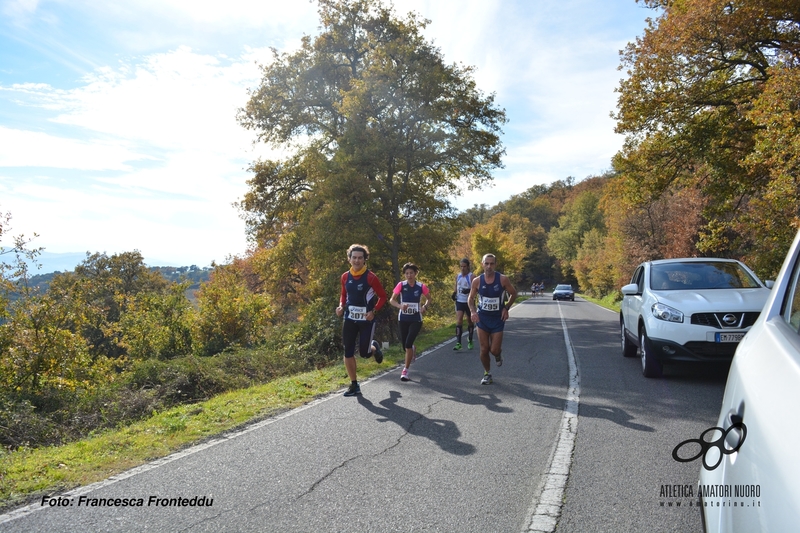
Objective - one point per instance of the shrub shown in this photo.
(230, 314)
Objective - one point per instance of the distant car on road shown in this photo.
(563, 292)
(692, 309)
(750, 470)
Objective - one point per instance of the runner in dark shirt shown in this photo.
(362, 296)
(491, 312)
(412, 298)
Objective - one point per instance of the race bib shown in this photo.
(490, 304)
(356, 313)
(412, 309)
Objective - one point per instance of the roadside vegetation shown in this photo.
(28, 473)
(378, 131)
(610, 301)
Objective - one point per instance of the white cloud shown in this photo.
(178, 229)
(18, 10)
(174, 100)
(166, 127)
(21, 148)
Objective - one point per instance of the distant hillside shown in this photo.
(66, 262)
(192, 273)
(51, 262)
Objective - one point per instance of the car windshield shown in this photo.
(700, 275)
(563, 287)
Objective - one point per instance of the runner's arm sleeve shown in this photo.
(343, 295)
(375, 283)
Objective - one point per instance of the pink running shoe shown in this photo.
(404, 375)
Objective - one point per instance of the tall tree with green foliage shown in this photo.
(581, 216)
(381, 132)
(692, 108)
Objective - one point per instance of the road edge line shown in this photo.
(547, 509)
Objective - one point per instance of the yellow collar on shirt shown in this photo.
(360, 272)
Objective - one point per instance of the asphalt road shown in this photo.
(441, 452)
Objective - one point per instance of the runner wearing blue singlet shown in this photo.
(412, 298)
(491, 313)
(362, 296)
(463, 284)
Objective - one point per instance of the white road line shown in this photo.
(546, 511)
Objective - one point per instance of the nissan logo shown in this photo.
(730, 319)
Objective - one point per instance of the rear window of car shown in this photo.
(700, 275)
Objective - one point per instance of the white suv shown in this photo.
(693, 309)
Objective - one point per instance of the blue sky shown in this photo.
(117, 119)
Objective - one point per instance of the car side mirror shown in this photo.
(769, 283)
(631, 289)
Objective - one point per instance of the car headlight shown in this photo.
(665, 312)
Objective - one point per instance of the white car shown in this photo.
(750, 476)
(692, 309)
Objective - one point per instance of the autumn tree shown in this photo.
(693, 111)
(104, 284)
(507, 237)
(231, 310)
(541, 205)
(380, 132)
(594, 265)
(774, 214)
(157, 324)
(38, 350)
(44, 351)
(580, 216)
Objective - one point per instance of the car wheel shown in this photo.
(651, 367)
(628, 348)
(572, 299)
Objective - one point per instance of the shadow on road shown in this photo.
(444, 433)
(457, 394)
(613, 414)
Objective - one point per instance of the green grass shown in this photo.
(27, 474)
(609, 302)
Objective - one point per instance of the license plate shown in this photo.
(728, 337)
